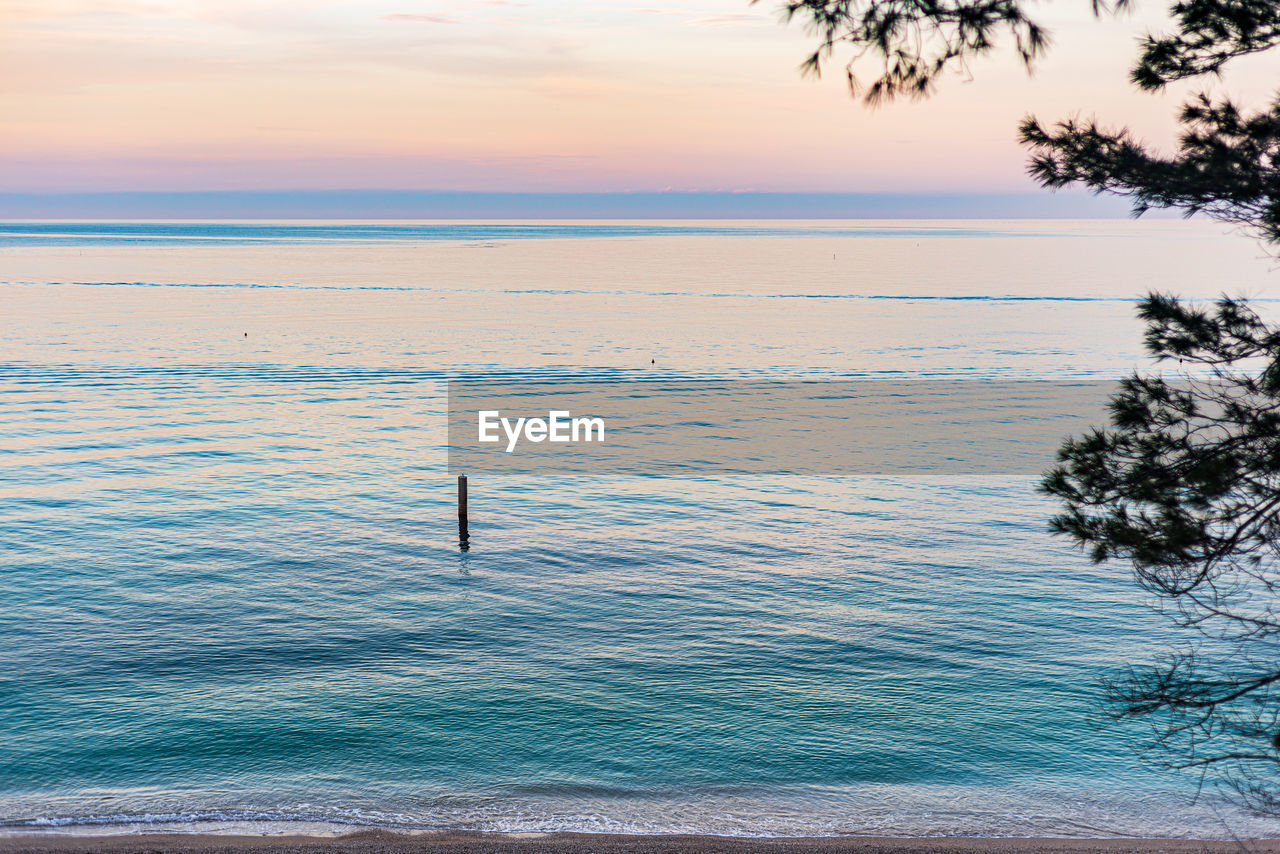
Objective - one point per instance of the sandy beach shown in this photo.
(452, 842)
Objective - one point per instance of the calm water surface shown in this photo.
(231, 594)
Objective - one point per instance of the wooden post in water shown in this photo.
(463, 535)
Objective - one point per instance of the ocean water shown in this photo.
(232, 595)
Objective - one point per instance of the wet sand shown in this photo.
(382, 842)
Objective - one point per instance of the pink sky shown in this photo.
(513, 95)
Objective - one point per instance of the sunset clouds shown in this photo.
(507, 95)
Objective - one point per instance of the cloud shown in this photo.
(729, 19)
(421, 18)
(27, 11)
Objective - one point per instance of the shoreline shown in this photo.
(475, 842)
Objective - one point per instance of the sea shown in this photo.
(234, 597)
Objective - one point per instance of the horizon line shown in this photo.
(482, 204)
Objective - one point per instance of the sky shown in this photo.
(523, 96)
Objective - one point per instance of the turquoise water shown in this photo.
(232, 595)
